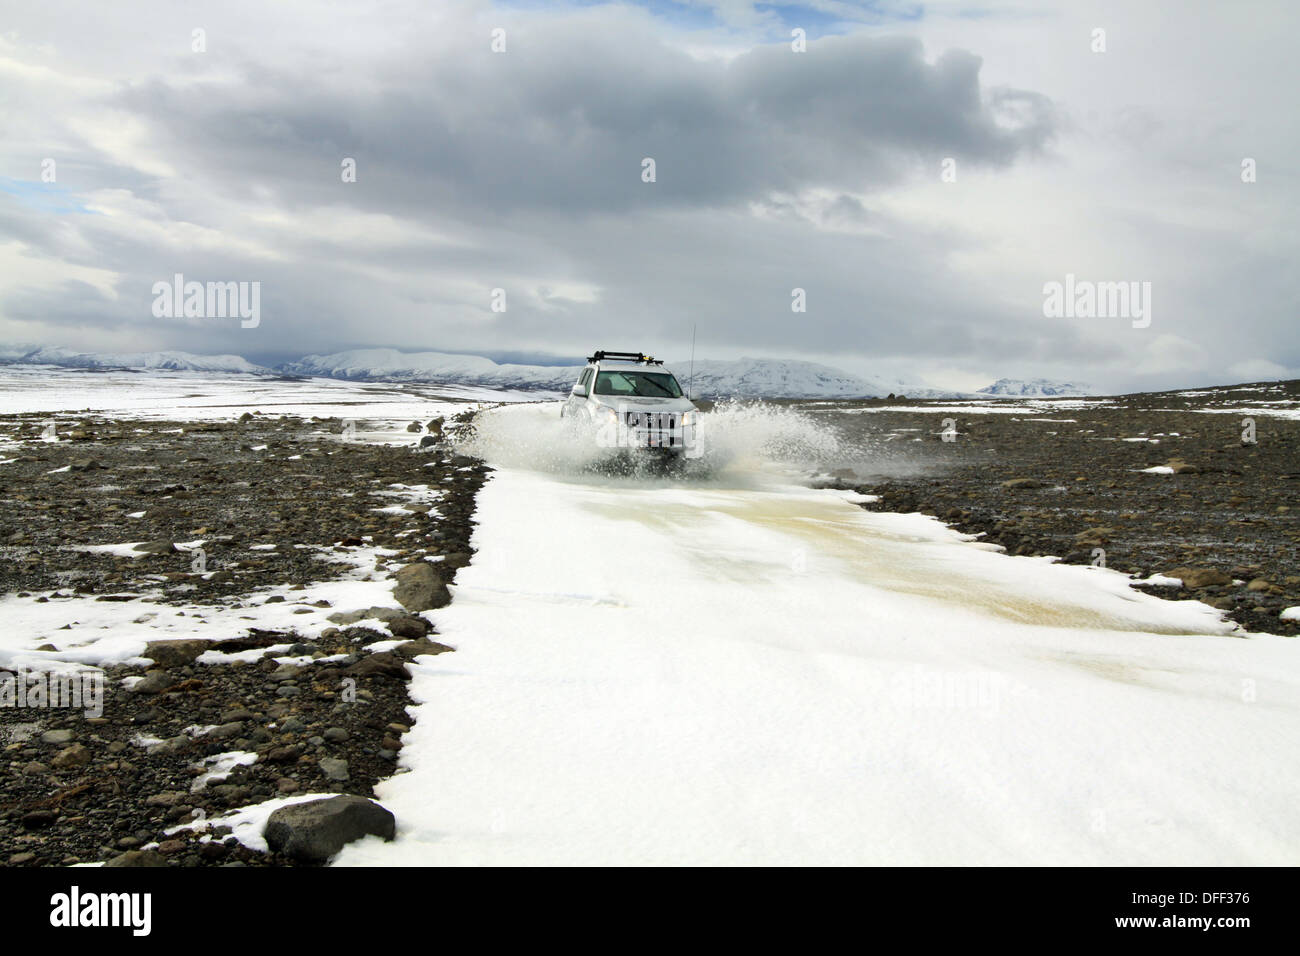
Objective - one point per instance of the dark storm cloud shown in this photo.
(563, 124)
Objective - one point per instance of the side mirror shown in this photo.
(579, 391)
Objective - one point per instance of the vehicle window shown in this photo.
(585, 380)
(640, 384)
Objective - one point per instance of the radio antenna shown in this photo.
(690, 384)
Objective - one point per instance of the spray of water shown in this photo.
(737, 440)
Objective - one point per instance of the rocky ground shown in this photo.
(272, 500)
(227, 512)
(1062, 480)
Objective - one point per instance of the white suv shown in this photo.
(629, 400)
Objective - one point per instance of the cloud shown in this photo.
(775, 170)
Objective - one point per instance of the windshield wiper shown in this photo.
(663, 388)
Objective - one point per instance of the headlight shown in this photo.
(688, 418)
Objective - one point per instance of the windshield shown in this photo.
(642, 384)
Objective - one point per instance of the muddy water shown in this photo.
(819, 533)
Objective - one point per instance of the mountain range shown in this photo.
(1034, 388)
(740, 378)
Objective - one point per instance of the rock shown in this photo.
(315, 830)
(413, 649)
(421, 588)
(56, 737)
(176, 653)
(334, 768)
(138, 858)
(380, 665)
(86, 464)
(172, 745)
(156, 547)
(1022, 483)
(1199, 577)
(335, 734)
(222, 731)
(154, 682)
(285, 672)
(168, 798)
(18, 859)
(69, 757)
(1259, 584)
(231, 794)
(1095, 536)
(408, 625)
(213, 851)
(38, 819)
(347, 617)
(1181, 467)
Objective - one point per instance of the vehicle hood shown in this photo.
(649, 403)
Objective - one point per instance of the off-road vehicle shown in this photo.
(629, 400)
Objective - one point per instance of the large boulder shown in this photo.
(384, 665)
(1197, 578)
(409, 626)
(315, 830)
(413, 649)
(420, 587)
(177, 653)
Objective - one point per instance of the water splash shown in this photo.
(736, 439)
(741, 436)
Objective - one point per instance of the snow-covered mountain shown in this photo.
(786, 378)
(170, 361)
(1034, 388)
(740, 378)
(439, 367)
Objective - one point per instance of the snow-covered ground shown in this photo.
(737, 669)
(743, 670)
(87, 632)
(206, 396)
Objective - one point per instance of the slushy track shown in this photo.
(680, 674)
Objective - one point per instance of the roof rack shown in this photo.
(624, 357)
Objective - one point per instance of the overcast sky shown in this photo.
(522, 170)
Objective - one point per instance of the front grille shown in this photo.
(654, 429)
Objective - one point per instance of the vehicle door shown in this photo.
(578, 394)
